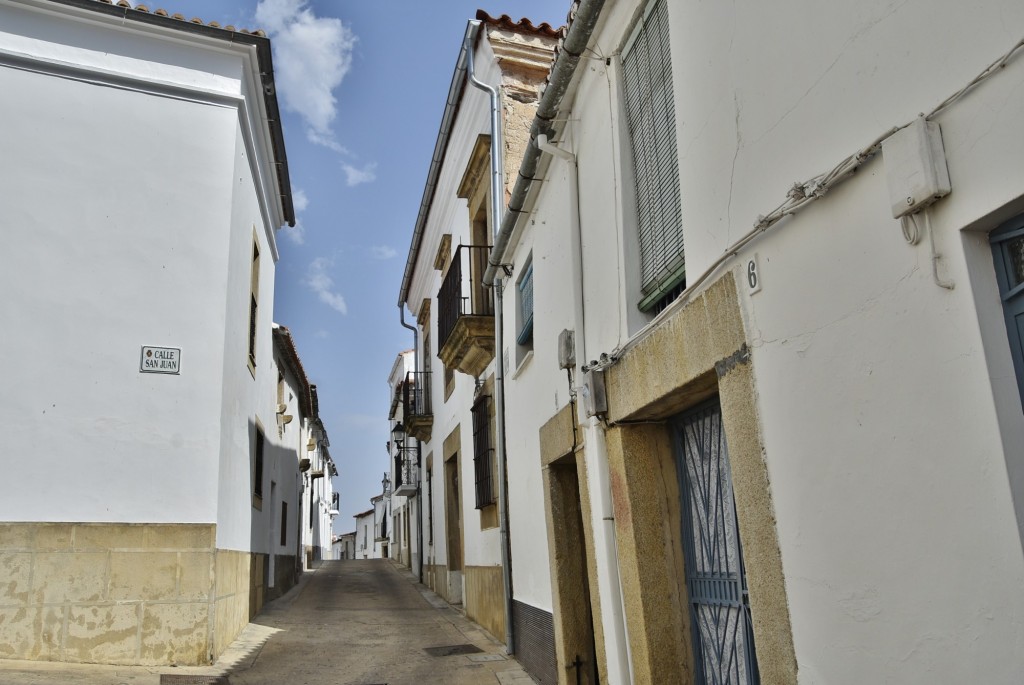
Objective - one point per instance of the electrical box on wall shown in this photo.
(566, 349)
(915, 167)
(595, 399)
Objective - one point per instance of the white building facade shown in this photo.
(140, 279)
(409, 393)
(454, 393)
(777, 438)
(320, 502)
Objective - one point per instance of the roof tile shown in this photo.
(181, 17)
(524, 25)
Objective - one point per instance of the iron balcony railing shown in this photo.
(404, 476)
(462, 291)
(416, 395)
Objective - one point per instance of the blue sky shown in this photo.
(362, 85)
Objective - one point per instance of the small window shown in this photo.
(254, 296)
(482, 452)
(650, 117)
(257, 466)
(284, 523)
(430, 507)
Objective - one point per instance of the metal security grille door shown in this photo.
(1008, 252)
(723, 641)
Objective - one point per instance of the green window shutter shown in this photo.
(1008, 253)
(651, 118)
(525, 285)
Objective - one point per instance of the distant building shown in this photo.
(302, 439)
(410, 402)
(345, 546)
(144, 179)
(319, 501)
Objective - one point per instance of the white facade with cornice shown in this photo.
(142, 189)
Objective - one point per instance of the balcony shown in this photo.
(335, 504)
(465, 317)
(405, 472)
(416, 411)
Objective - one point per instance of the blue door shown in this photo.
(723, 638)
(1008, 253)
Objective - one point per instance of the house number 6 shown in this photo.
(753, 276)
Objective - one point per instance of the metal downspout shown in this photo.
(419, 471)
(497, 210)
(572, 49)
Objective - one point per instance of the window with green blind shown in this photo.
(525, 288)
(651, 118)
(1008, 253)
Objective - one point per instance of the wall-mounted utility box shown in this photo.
(915, 167)
(566, 349)
(595, 397)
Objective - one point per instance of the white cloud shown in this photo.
(299, 199)
(383, 252)
(296, 233)
(322, 334)
(311, 57)
(320, 282)
(354, 176)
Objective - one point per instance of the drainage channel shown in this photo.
(452, 650)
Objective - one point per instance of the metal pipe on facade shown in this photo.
(497, 209)
(572, 49)
(597, 453)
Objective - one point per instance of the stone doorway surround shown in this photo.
(699, 350)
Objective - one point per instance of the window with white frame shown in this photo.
(651, 119)
(254, 298)
(524, 303)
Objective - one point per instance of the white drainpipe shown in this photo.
(598, 480)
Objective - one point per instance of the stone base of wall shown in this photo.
(485, 598)
(435, 577)
(146, 594)
(285, 576)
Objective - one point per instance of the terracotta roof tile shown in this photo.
(181, 17)
(524, 25)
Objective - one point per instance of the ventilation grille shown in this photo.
(535, 641)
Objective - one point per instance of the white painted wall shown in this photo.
(400, 370)
(131, 221)
(365, 536)
(450, 214)
(111, 246)
(888, 406)
(248, 399)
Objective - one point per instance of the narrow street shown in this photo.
(362, 622)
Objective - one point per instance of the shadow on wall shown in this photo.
(275, 489)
